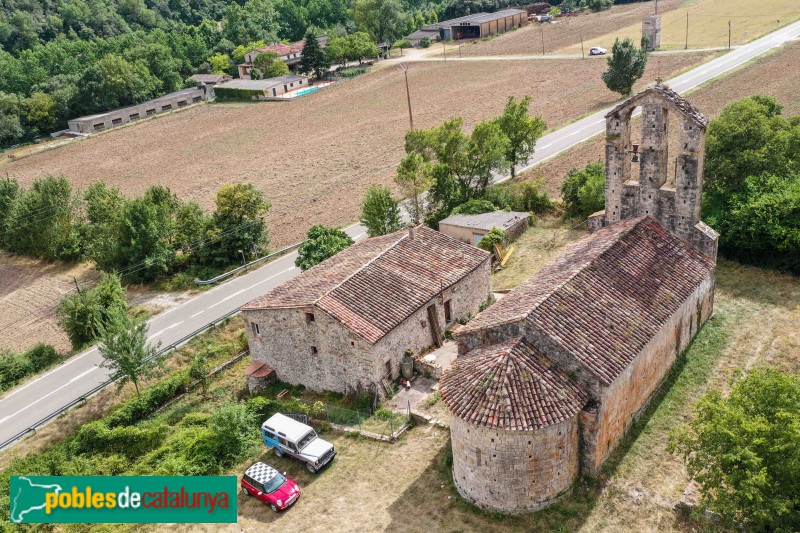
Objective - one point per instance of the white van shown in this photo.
(295, 439)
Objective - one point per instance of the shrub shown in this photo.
(583, 191)
(151, 399)
(743, 450)
(519, 196)
(425, 42)
(495, 236)
(476, 206)
(14, 367)
(322, 243)
(82, 314)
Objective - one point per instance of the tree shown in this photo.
(41, 111)
(380, 212)
(322, 243)
(313, 58)
(583, 191)
(360, 47)
(625, 66)
(460, 165)
(42, 222)
(476, 206)
(337, 49)
(146, 249)
(490, 240)
(383, 20)
(752, 183)
(521, 130)
(220, 63)
(81, 315)
(124, 347)
(237, 224)
(414, 178)
(743, 449)
(199, 371)
(100, 233)
(9, 193)
(113, 82)
(10, 118)
(268, 65)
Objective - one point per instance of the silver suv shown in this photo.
(295, 439)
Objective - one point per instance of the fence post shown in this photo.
(358, 417)
(391, 427)
(408, 410)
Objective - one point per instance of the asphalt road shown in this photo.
(45, 394)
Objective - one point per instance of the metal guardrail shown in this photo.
(114, 379)
(246, 265)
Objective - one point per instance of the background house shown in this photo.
(288, 53)
(472, 228)
(271, 87)
(345, 324)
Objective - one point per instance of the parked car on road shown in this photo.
(597, 51)
(295, 439)
(270, 486)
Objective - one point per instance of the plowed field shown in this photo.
(315, 156)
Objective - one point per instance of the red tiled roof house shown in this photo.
(345, 324)
(550, 378)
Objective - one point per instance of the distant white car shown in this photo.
(597, 51)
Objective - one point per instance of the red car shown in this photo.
(270, 486)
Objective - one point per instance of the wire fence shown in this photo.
(383, 424)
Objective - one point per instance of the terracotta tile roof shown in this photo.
(374, 285)
(606, 296)
(511, 386)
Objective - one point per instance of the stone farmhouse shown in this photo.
(288, 53)
(550, 378)
(345, 324)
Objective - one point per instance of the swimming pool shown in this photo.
(306, 91)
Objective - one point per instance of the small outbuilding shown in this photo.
(118, 117)
(474, 26)
(346, 324)
(257, 89)
(472, 228)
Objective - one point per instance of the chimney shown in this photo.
(412, 232)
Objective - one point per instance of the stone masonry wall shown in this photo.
(343, 361)
(513, 471)
(625, 399)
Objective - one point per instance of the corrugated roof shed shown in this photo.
(487, 221)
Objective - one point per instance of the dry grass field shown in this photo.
(567, 31)
(708, 23)
(315, 156)
(29, 293)
(776, 75)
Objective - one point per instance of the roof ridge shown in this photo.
(580, 268)
(361, 268)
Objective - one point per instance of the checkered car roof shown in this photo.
(261, 472)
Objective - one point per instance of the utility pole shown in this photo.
(687, 32)
(78, 287)
(583, 55)
(444, 50)
(542, 38)
(729, 35)
(408, 96)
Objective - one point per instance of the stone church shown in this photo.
(550, 378)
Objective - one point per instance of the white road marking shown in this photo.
(12, 415)
(198, 313)
(46, 374)
(175, 325)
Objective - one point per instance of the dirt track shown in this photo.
(314, 156)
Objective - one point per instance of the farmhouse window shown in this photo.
(388, 366)
(116, 121)
(313, 349)
(166, 107)
(196, 99)
(447, 312)
(100, 126)
(310, 318)
(151, 112)
(255, 328)
(182, 103)
(134, 116)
